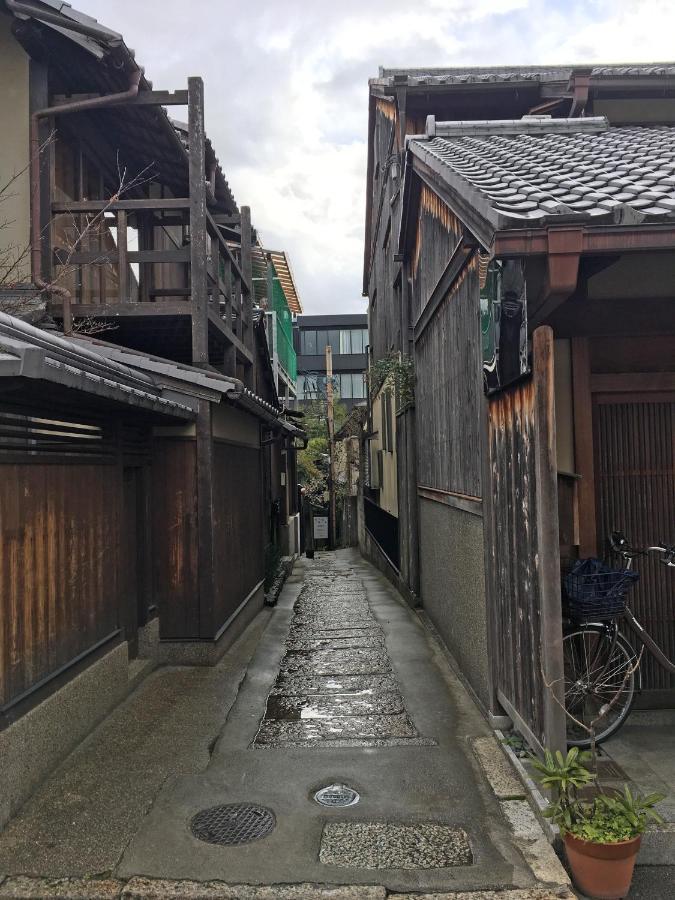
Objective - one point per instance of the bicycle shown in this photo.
(600, 663)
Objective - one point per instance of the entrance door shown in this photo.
(635, 492)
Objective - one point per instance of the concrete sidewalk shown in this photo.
(348, 687)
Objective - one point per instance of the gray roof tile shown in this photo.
(542, 175)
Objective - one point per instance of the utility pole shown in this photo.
(331, 447)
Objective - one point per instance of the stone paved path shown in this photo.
(335, 686)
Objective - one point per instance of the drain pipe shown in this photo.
(35, 191)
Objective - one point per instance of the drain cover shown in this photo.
(235, 823)
(337, 795)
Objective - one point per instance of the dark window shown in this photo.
(308, 342)
(333, 338)
(321, 342)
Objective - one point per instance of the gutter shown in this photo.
(28, 11)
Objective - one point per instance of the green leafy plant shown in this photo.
(607, 818)
(399, 370)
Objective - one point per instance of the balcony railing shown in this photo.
(106, 253)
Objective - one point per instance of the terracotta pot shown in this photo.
(602, 871)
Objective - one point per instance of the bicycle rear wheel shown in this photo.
(597, 670)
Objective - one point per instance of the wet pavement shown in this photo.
(346, 687)
(335, 685)
(339, 684)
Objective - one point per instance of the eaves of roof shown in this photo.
(28, 352)
(501, 181)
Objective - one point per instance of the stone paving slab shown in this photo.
(498, 770)
(288, 686)
(344, 662)
(385, 845)
(278, 731)
(152, 889)
(367, 639)
(24, 888)
(520, 894)
(311, 706)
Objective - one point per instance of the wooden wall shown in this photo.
(448, 389)
(59, 567)
(238, 526)
(174, 527)
(522, 556)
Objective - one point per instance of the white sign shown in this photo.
(320, 528)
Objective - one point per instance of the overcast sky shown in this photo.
(286, 85)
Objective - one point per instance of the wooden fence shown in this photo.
(522, 552)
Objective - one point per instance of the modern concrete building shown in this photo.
(347, 335)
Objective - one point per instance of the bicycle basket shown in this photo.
(595, 591)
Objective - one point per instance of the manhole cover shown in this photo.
(337, 795)
(235, 823)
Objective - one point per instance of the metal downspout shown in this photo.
(35, 192)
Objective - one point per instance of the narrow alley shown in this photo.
(339, 687)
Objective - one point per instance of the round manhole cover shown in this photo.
(235, 823)
(337, 795)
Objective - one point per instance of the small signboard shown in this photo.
(320, 528)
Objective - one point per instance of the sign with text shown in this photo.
(320, 528)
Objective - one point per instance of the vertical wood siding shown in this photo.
(635, 484)
(59, 567)
(174, 526)
(238, 526)
(448, 393)
(523, 566)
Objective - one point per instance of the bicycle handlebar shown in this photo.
(619, 544)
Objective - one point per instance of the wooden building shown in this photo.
(558, 184)
(149, 438)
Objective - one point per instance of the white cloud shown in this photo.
(286, 92)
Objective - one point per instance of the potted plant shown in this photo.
(601, 834)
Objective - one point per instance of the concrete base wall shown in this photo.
(453, 587)
(370, 550)
(36, 743)
(207, 653)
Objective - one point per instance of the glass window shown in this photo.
(346, 379)
(321, 341)
(364, 334)
(334, 341)
(359, 386)
(345, 342)
(308, 342)
(357, 343)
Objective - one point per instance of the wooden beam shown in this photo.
(123, 260)
(247, 272)
(101, 257)
(583, 444)
(198, 234)
(120, 310)
(458, 260)
(546, 470)
(73, 206)
(639, 382)
(159, 98)
(205, 523)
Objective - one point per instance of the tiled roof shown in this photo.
(617, 175)
(498, 74)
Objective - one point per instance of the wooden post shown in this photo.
(332, 530)
(198, 234)
(200, 353)
(122, 264)
(546, 469)
(247, 271)
(583, 444)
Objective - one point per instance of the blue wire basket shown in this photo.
(595, 591)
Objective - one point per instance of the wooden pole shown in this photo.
(331, 447)
(198, 234)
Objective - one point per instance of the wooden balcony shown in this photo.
(130, 267)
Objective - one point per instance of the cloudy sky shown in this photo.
(287, 86)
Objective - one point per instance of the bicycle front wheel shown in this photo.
(598, 677)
